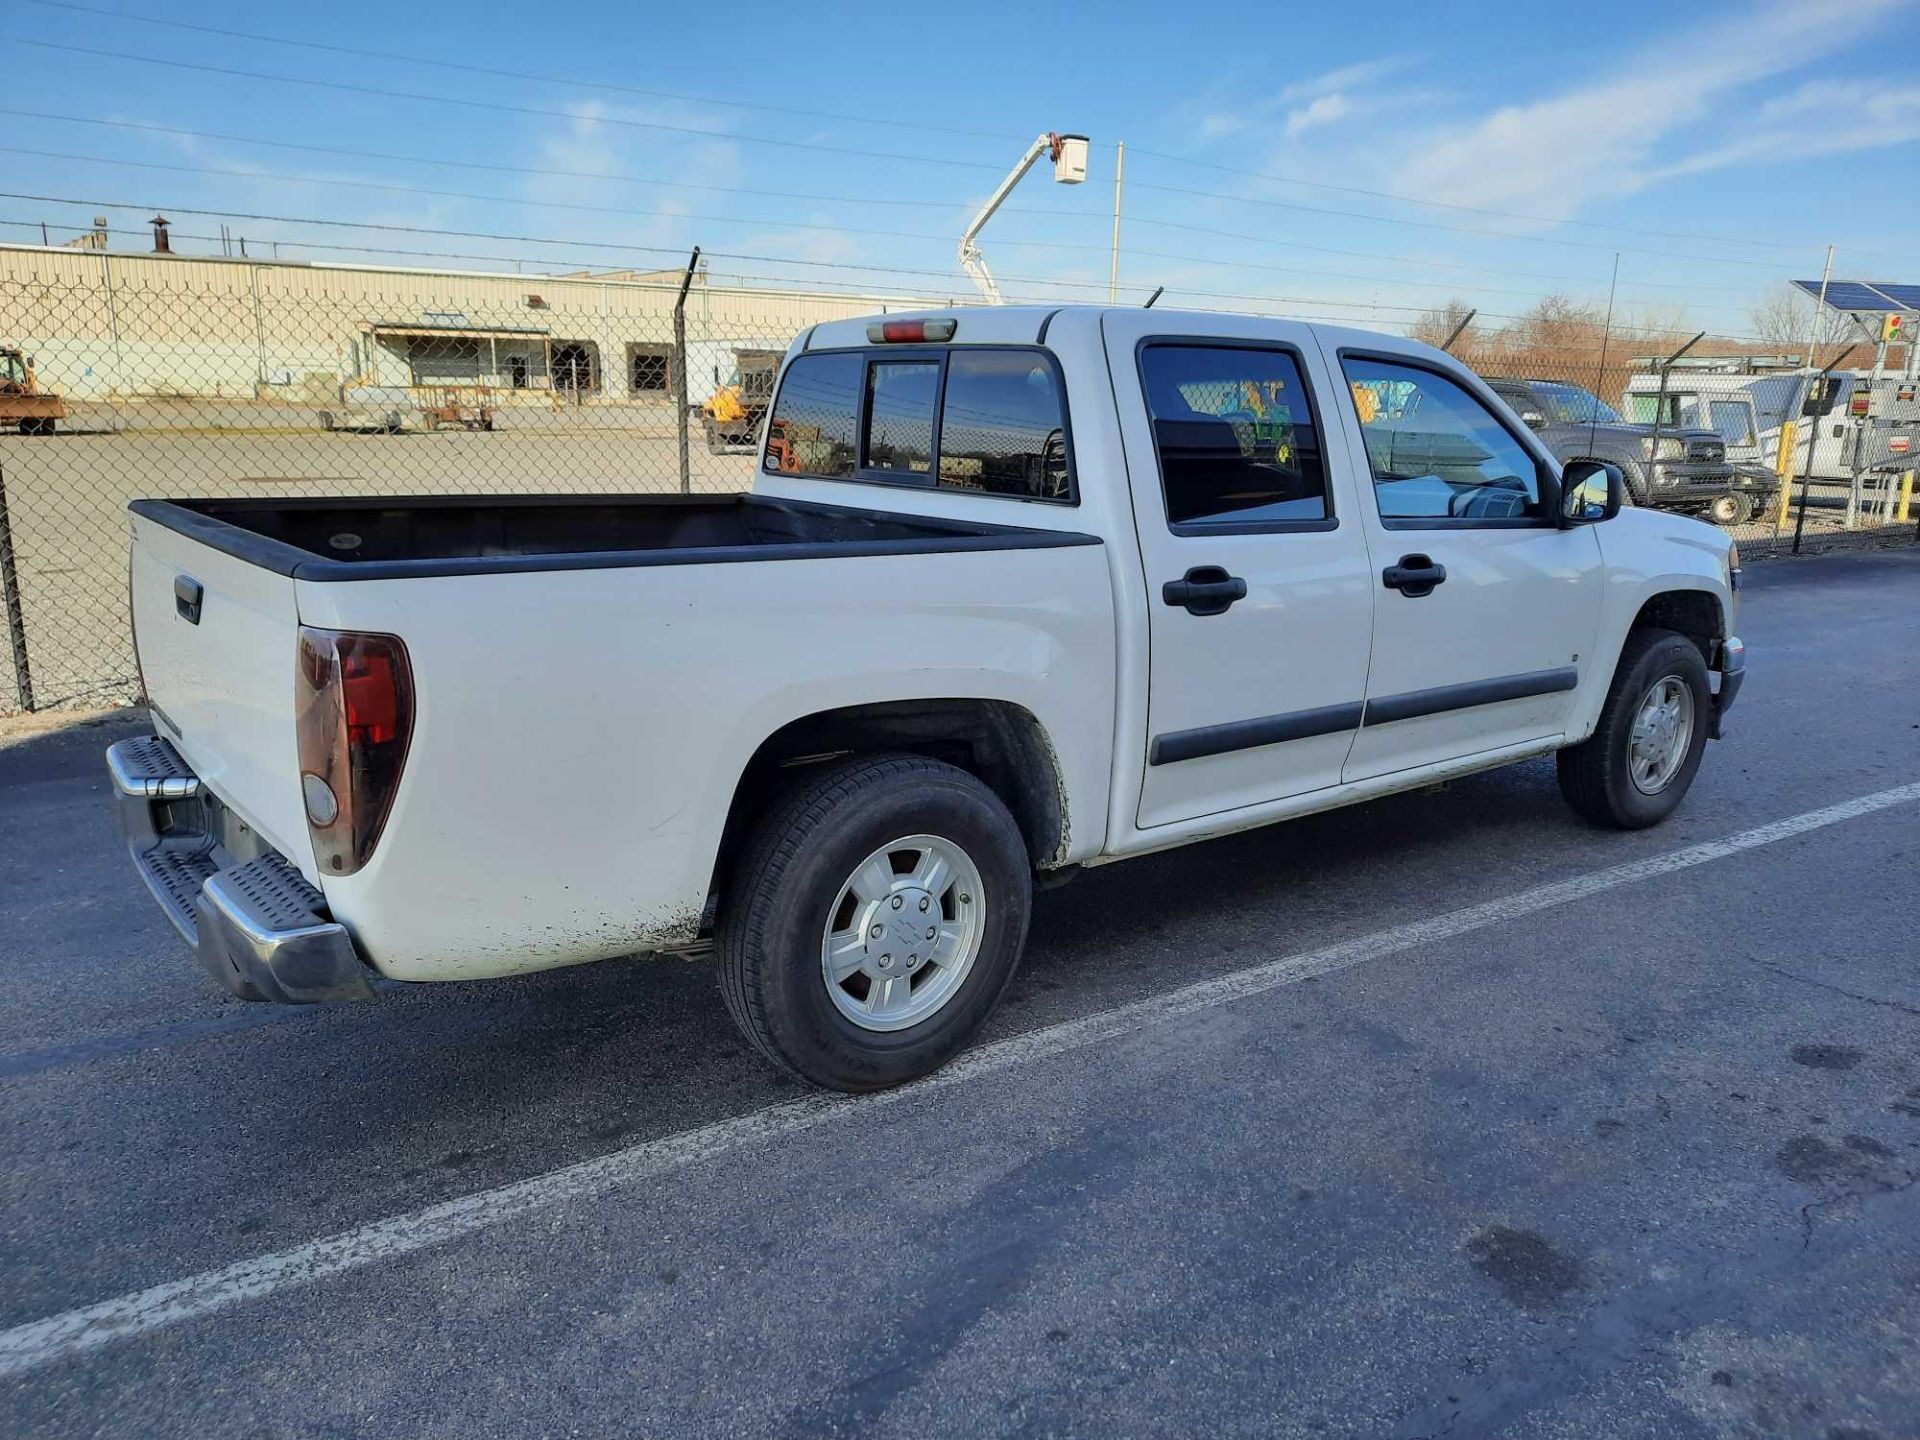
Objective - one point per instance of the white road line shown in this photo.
(58, 1337)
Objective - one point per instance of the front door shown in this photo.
(1259, 592)
(1486, 612)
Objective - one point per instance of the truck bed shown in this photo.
(396, 538)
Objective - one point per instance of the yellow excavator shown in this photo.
(22, 401)
(732, 414)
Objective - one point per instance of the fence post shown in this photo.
(16, 616)
(680, 370)
(1783, 467)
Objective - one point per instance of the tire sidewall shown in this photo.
(799, 1009)
(1671, 656)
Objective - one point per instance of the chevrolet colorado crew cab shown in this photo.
(1015, 590)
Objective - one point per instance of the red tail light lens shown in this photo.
(353, 707)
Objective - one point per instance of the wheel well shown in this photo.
(1693, 613)
(1001, 743)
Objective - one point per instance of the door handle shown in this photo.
(1414, 576)
(1204, 590)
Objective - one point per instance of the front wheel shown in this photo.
(1638, 764)
(875, 920)
(1734, 509)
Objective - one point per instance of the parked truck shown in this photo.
(1667, 468)
(1041, 590)
(22, 402)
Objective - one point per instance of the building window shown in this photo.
(651, 370)
(574, 366)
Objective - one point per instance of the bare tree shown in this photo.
(1434, 326)
(1786, 317)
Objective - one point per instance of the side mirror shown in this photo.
(1590, 490)
(1533, 419)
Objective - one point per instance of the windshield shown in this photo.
(1733, 419)
(13, 369)
(1570, 405)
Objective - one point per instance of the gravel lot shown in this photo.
(1635, 1155)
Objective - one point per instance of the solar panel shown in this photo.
(1907, 297)
(1850, 295)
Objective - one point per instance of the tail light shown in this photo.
(353, 708)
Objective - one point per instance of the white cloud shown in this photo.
(1322, 99)
(1323, 110)
(1609, 137)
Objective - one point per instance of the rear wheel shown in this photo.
(876, 918)
(1642, 757)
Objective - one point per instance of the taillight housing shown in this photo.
(353, 709)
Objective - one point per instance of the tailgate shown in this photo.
(223, 687)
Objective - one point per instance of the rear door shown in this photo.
(1259, 594)
(217, 637)
(1486, 612)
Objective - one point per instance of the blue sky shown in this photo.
(1729, 144)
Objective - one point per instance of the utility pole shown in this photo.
(1813, 430)
(1119, 176)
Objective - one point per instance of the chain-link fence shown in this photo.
(159, 375)
(149, 378)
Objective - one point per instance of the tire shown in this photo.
(1597, 776)
(716, 445)
(792, 891)
(1732, 509)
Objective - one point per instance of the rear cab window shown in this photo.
(986, 419)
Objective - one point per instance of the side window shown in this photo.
(1235, 433)
(900, 395)
(1436, 452)
(1002, 427)
(816, 417)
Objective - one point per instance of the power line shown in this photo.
(1606, 246)
(1289, 244)
(501, 106)
(753, 220)
(893, 121)
(1447, 205)
(542, 171)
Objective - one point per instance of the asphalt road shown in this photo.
(1277, 1136)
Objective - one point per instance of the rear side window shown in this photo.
(817, 420)
(1236, 436)
(976, 418)
(1003, 428)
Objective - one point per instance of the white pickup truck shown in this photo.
(1016, 590)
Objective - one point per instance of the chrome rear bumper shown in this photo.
(255, 925)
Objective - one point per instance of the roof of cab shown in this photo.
(1026, 324)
